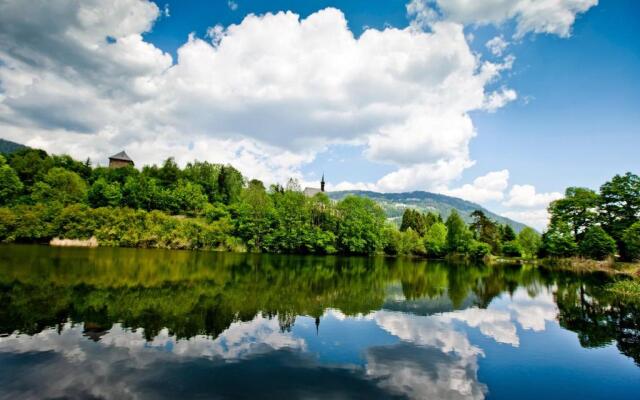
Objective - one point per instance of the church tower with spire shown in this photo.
(310, 192)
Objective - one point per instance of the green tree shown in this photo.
(403, 243)
(187, 198)
(507, 233)
(30, 164)
(458, 234)
(597, 244)
(142, 192)
(620, 204)
(558, 241)
(104, 194)
(529, 242)
(65, 161)
(169, 173)
(485, 230)
(230, 183)
(60, 185)
(360, 225)
(415, 220)
(577, 209)
(206, 175)
(10, 185)
(411, 243)
(631, 240)
(293, 222)
(436, 240)
(255, 215)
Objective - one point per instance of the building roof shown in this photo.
(310, 192)
(122, 156)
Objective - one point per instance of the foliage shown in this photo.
(436, 240)
(60, 185)
(360, 222)
(558, 241)
(612, 211)
(620, 204)
(30, 164)
(419, 222)
(205, 205)
(406, 242)
(507, 233)
(631, 240)
(597, 244)
(479, 250)
(577, 209)
(512, 249)
(485, 230)
(104, 194)
(529, 242)
(458, 234)
(10, 185)
(255, 217)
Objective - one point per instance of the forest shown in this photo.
(214, 207)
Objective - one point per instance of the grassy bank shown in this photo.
(609, 266)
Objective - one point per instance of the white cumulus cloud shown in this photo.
(537, 16)
(526, 196)
(267, 94)
(489, 187)
(537, 219)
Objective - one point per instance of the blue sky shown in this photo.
(406, 96)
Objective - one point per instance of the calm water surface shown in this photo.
(124, 323)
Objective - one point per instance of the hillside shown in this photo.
(7, 146)
(394, 205)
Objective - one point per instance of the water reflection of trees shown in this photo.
(597, 315)
(203, 293)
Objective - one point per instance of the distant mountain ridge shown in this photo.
(7, 146)
(394, 205)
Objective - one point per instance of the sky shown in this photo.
(501, 102)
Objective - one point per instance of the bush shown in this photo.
(479, 250)
(597, 244)
(631, 242)
(511, 249)
(74, 222)
(34, 223)
(7, 224)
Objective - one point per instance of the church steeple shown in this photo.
(322, 183)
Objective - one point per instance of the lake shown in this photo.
(152, 324)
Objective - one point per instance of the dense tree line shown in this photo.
(596, 225)
(202, 205)
(427, 234)
(212, 206)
